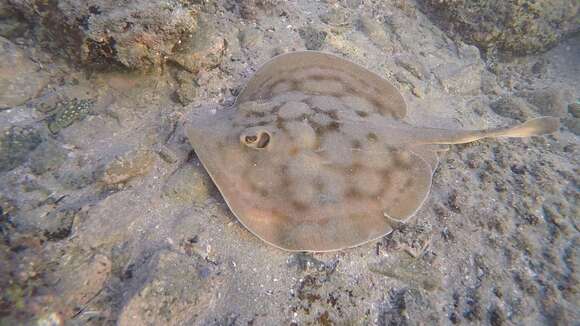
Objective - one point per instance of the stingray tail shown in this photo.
(534, 127)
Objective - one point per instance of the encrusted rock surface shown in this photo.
(137, 34)
(515, 27)
(20, 78)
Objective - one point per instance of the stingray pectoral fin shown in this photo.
(430, 153)
(408, 186)
(534, 127)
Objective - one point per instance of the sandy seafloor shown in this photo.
(112, 219)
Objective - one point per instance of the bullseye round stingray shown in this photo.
(315, 155)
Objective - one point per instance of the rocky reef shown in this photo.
(513, 27)
(131, 34)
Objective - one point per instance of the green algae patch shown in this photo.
(68, 112)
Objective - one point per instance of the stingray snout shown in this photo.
(202, 116)
(205, 123)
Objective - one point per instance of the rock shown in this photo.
(412, 65)
(413, 271)
(461, 80)
(48, 156)
(250, 38)
(132, 164)
(188, 87)
(375, 31)
(305, 262)
(176, 290)
(186, 94)
(408, 8)
(514, 27)
(84, 275)
(540, 67)
(313, 38)
(413, 239)
(11, 24)
(336, 17)
(496, 316)
(7, 207)
(574, 109)
(188, 185)
(512, 107)
(548, 101)
(24, 271)
(469, 53)
(201, 49)
(58, 224)
(78, 179)
(252, 9)
(573, 124)
(138, 35)
(16, 144)
(319, 296)
(399, 306)
(343, 45)
(50, 320)
(5, 9)
(406, 82)
(20, 79)
(489, 84)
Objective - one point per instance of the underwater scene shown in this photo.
(289, 162)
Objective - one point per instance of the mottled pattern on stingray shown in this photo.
(315, 73)
(314, 166)
(314, 155)
(321, 183)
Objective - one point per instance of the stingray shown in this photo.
(315, 154)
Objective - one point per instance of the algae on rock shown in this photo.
(517, 27)
(137, 35)
(16, 144)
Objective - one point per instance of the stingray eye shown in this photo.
(258, 139)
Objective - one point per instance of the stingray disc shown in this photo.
(303, 159)
(315, 154)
